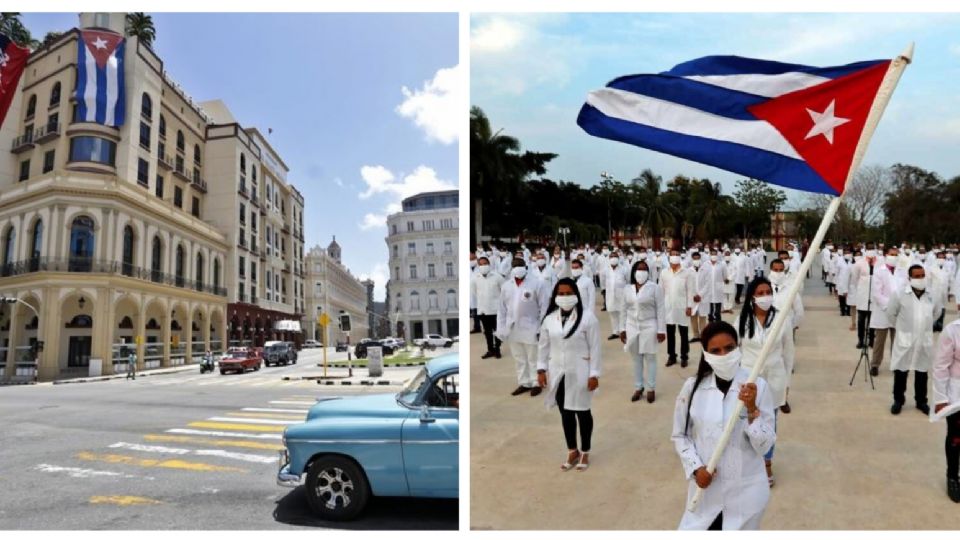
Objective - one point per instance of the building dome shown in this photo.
(334, 249)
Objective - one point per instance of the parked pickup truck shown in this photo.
(432, 341)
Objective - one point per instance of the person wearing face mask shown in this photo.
(616, 283)
(588, 294)
(739, 274)
(911, 310)
(780, 285)
(755, 322)
(862, 276)
(642, 328)
(939, 285)
(677, 283)
(729, 287)
(736, 494)
(887, 282)
(600, 270)
(523, 303)
(825, 263)
(951, 269)
(558, 264)
(842, 282)
(485, 285)
(699, 302)
(473, 297)
(946, 399)
(715, 274)
(542, 270)
(852, 288)
(568, 366)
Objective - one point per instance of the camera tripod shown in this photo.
(867, 346)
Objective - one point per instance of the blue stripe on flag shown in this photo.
(120, 110)
(101, 99)
(738, 65)
(738, 158)
(698, 95)
(81, 80)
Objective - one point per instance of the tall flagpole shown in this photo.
(890, 80)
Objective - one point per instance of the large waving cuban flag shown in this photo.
(792, 125)
(100, 93)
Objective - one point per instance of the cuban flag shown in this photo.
(100, 93)
(788, 124)
(13, 59)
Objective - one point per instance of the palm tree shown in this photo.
(659, 212)
(141, 26)
(50, 37)
(12, 26)
(709, 201)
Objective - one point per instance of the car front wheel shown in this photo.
(337, 489)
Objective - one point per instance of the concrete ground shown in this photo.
(842, 460)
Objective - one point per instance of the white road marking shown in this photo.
(241, 435)
(150, 448)
(237, 455)
(220, 380)
(253, 458)
(303, 403)
(77, 472)
(261, 409)
(253, 421)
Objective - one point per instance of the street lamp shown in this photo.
(604, 175)
(564, 231)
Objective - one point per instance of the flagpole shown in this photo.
(889, 83)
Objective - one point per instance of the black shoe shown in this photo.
(925, 409)
(488, 355)
(695, 340)
(613, 337)
(535, 391)
(859, 345)
(604, 309)
(683, 362)
(476, 331)
(896, 408)
(519, 390)
(874, 372)
(497, 354)
(671, 362)
(953, 489)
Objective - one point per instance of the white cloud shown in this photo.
(376, 178)
(495, 35)
(381, 181)
(338, 181)
(434, 108)
(372, 221)
(380, 275)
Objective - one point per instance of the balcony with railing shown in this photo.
(165, 162)
(90, 265)
(22, 143)
(199, 183)
(242, 190)
(47, 133)
(179, 171)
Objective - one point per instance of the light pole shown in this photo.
(564, 231)
(606, 176)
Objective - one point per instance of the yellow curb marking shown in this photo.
(164, 463)
(268, 415)
(236, 427)
(122, 500)
(213, 442)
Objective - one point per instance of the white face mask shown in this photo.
(776, 277)
(950, 256)
(696, 263)
(764, 302)
(541, 263)
(641, 276)
(519, 272)
(891, 260)
(871, 253)
(605, 252)
(726, 258)
(473, 263)
(918, 283)
(614, 261)
(858, 258)
(576, 272)
(847, 258)
(724, 366)
(484, 269)
(940, 263)
(567, 302)
(736, 251)
(674, 259)
(714, 258)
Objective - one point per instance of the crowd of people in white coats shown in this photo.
(545, 305)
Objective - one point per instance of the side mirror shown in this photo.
(425, 417)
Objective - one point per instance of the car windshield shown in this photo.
(412, 389)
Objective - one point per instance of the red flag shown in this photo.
(13, 58)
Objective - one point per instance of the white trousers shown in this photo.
(614, 321)
(789, 355)
(525, 355)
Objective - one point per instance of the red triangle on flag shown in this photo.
(823, 123)
(101, 45)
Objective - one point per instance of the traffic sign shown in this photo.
(323, 319)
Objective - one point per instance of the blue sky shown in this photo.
(331, 86)
(531, 73)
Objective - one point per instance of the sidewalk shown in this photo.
(842, 460)
(392, 376)
(146, 373)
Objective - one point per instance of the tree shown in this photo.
(757, 201)
(914, 207)
(12, 26)
(140, 25)
(50, 37)
(659, 213)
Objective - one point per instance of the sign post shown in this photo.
(324, 320)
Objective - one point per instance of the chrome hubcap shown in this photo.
(334, 488)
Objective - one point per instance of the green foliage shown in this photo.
(756, 201)
(11, 25)
(140, 25)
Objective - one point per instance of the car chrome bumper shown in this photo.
(284, 477)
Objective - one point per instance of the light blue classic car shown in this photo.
(392, 445)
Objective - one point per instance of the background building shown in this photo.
(422, 243)
(333, 290)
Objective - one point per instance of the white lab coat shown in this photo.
(774, 369)
(946, 366)
(600, 265)
(677, 295)
(574, 359)
(643, 317)
(521, 310)
(739, 488)
(615, 281)
(701, 288)
(545, 274)
(843, 277)
(913, 318)
(739, 276)
(588, 292)
(717, 272)
(862, 284)
(560, 267)
(486, 289)
(885, 285)
(938, 285)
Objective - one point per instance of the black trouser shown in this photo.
(476, 320)
(489, 325)
(919, 386)
(739, 292)
(714, 312)
(672, 342)
(952, 446)
(844, 308)
(717, 524)
(603, 294)
(570, 420)
(863, 331)
(938, 324)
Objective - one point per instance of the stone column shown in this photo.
(104, 320)
(49, 331)
(14, 334)
(140, 326)
(205, 331)
(165, 332)
(188, 355)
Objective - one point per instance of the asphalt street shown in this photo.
(176, 451)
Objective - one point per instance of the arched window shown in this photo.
(414, 301)
(199, 271)
(128, 249)
(433, 299)
(31, 106)
(156, 260)
(55, 95)
(163, 127)
(36, 245)
(196, 154)
(146, 106)
(243, 164)
(180, 142)
(451, 300)
(216, 274)
(399, 303)
(81, 244)
(179, 266)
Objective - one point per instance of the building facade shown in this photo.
(333, 290)
(422, 240)
(115, 239)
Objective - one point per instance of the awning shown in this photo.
(292, 326)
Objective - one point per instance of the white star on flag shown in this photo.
(100, 43)
(825, 122)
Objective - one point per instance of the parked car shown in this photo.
(279, 352)
(311, 344)
(240, 359)
(341, 347)
(360, 351)
(384, 445)
(433, 341)
(393, 342)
